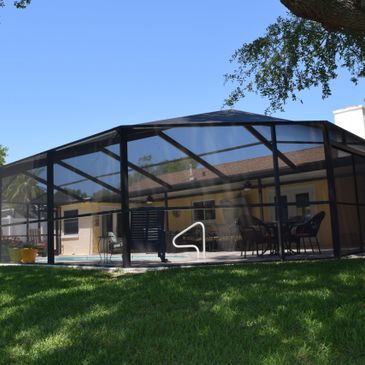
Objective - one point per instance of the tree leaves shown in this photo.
(295, 54)
(3, 153)
(22, 189)
(21, 4)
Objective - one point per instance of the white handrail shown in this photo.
(191, 246)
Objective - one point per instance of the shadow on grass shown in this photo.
(292, 313)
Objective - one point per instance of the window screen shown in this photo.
(71, 225)
(204, 210)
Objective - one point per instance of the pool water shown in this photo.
(97, 258)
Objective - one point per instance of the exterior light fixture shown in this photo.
(247, 186)
(149, 200)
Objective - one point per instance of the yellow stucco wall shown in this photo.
(182, 219)
(320, 193)
(86, 242)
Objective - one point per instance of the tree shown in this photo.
(21, 4)
(165, 167)
(299, 52)
(161, 168)
(3, 153)
(22, 190)
(334, 15)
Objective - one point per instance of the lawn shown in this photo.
(277, 313)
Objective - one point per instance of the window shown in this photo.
(302, 204)
(204, 210)
(71, 225)
(284, 207)
(296, 201)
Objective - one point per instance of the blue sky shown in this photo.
(69, 69)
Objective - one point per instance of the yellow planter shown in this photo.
(15, 254)
(29, 255)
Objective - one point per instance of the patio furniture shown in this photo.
(269, 232)
(253, 233)
(35, 237)
(286, 233)
(115, 245)
(103, 247)
(303, 233)
(108, 246)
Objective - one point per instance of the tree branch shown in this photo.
(294, 55)
(334, 15)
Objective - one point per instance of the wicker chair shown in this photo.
(303, 233)
(254, 234)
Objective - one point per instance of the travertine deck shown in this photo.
(182, 259)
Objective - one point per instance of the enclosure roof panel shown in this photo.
(100, 140)
(221, 116)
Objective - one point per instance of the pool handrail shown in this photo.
(201, 224)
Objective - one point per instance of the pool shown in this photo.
(97, 259)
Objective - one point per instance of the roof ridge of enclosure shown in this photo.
(220, 116)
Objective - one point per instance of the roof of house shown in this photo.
(251, 165)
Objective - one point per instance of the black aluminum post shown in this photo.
(124, 199)
(50, 207)
(331, 192)
(166, 203)
(1, 215)
(278, 204)
(39, 218)
(259, 185)
(27, 224)
(354, 172)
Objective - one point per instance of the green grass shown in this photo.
(280, 313)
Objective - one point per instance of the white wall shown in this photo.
(351, 118)
(20, 230)
(80, 243)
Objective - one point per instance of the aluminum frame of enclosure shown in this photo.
(121, 136)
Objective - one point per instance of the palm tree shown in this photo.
(22, 191)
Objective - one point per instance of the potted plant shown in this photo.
(14, 250)
(29, 253)
(4, 250)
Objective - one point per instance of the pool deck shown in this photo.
(183, 259)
